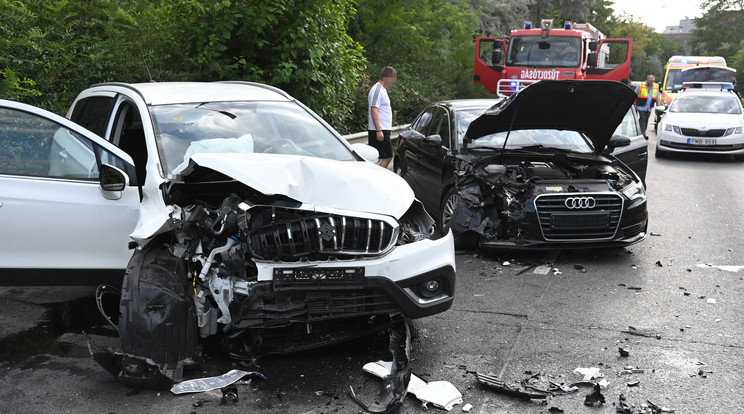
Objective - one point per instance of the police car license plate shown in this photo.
(701, 141)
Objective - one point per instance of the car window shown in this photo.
(548, 138)
(627, 127)
(93, 113)
(35, 146)
(706, 104)
(440, 125)
(464, 118)
(183, 130)
(423, 122)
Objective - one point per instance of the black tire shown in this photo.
(158, 317)
(467, 240)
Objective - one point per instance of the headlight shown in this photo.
(730, 131)
(667, 127)
(676, 130)
(635, 192)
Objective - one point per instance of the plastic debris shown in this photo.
(624, 352)
(555, 410)
(595, 397)
(213, 383)
(467, 407)
(557, 271)
(501, 387)
(658, 263)
(335, 393)
(655, 234)
(395, 386)
(441, 394)
(633, 383)
(711, 300)
(580, 268)
(603, 384)
(506, 263)
(589, 374)
(542, 270)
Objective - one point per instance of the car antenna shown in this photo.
(147, 68)
(511, 125)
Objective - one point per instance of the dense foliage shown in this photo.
(325, 53)
(720, 32)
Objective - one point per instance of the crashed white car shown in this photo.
(249, 217)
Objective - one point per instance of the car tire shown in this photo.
(449, 202)
(157, 312)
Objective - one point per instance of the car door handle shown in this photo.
(642, 154)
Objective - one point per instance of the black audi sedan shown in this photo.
(540, 169)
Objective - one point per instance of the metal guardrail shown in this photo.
(361, 137)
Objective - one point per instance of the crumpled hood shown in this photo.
(347, 185)
(593, 107)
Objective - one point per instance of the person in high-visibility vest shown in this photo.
(648, 96)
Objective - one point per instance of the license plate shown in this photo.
(319, 278)
(701, 141)
(580, 221)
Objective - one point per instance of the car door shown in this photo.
(411, 143)
(60, 227)
(434, 148)
(634, 155)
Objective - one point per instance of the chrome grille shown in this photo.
(321, 235)
(711, 133)
(558, 222)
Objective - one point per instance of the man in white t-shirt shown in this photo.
(381, 116)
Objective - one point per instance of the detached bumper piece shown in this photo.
(395, 387)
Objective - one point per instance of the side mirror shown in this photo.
(434, 140)
(593, 46)
(365, 151)
(617, 141)
(591, 59)
(112, 178)
(496, 56)
(113, 181)
(411, 134)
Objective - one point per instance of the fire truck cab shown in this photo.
(577, 51)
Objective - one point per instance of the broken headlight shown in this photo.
(635, 191)
(415, 225)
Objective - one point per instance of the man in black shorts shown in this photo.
(381, 116)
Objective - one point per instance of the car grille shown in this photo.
(684, 146)
(558, 222)
(321, 235)
(711, 133)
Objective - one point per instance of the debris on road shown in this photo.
(658, 263)
(711, 300)
(633, 383)
(213, 383)
(557, 272)
(644, 332)
(229, 395)
(335, 393)
(580, 268)
(589, 374)
(624, 352)
(595, 397)
(655, 234)
(441, 394)
(395, 386)
(467, 407)
(501, 387)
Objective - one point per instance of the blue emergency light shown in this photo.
(528, 25)
(568, 25)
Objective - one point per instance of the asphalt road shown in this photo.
(673, 301)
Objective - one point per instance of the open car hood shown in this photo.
(593, 107)
(347, 185)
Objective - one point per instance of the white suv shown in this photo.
(245, 210)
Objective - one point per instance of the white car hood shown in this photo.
(703, 121)
(347, 185)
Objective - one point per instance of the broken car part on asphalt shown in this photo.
(213, 383)
(395, 386)
(495, 384)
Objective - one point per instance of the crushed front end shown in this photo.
(269, 274)
(552, 201)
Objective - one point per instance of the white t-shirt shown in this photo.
(378, 97)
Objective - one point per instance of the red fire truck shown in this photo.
(577, 51)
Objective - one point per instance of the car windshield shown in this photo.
(183, 130)
(547, 138)
(536, 51)
(706, 104)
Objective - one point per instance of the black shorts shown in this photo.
(384, 147)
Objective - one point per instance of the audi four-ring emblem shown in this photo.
(575, 203)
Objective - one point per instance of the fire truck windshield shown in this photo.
(536, 51)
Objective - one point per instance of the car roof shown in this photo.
(707, 92)
(162, 93)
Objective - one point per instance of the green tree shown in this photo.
(720, 32)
